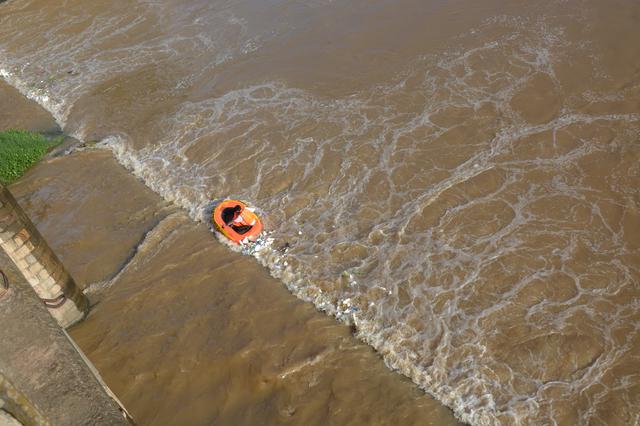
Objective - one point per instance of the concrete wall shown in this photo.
(15, 407)
(24, 245)
(44, 378)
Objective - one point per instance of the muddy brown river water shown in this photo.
(457, 180)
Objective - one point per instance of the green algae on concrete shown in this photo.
(19, 150)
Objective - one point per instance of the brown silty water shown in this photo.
(457, 179)
(185, 331)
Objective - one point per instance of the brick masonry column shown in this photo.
(24, 245)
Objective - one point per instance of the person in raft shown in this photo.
(241, 220)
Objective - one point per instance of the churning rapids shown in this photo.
(460, 179)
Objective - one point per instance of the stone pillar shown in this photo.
(24, 245)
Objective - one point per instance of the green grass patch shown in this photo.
(19, 150)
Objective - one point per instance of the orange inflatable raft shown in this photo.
(236, 221)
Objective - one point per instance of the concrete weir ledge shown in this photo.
(44, 377)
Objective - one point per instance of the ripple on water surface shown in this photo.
(474, 213)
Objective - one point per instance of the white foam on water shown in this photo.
(470, 397)
(39, 95)
(135, 36)
(358, 275)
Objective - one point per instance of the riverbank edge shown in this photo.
(56, 382)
